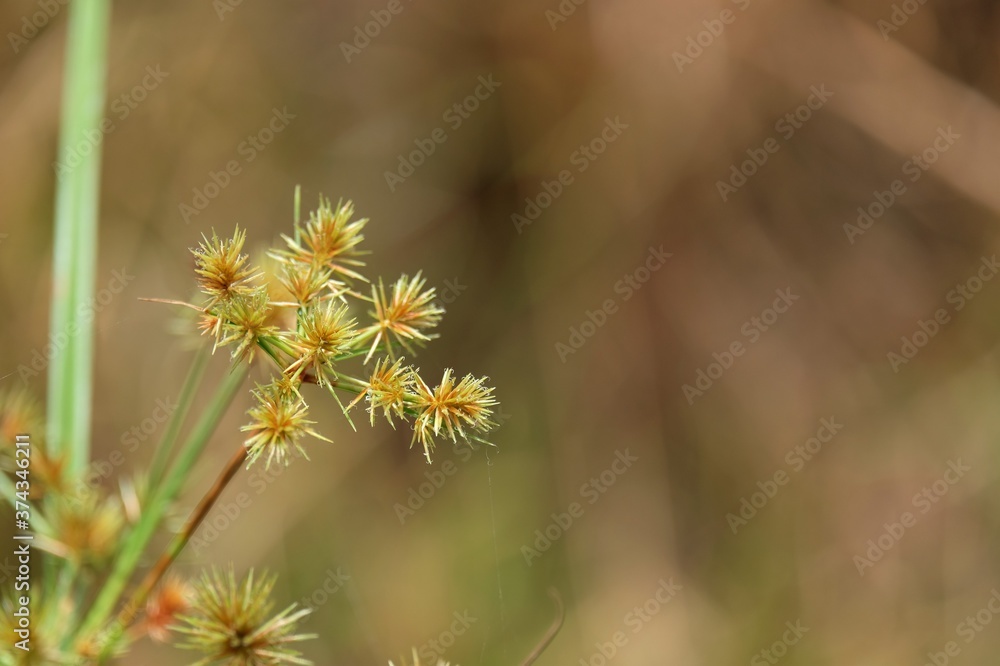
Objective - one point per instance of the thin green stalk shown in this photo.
(187, 395)
(71, 320)
(71, 325)
(141, 594)
(137, 540)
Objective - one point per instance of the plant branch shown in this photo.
(135, 604)
(177, 418)
(136, 541)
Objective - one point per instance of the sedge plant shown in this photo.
(308, 316)
(306, 312)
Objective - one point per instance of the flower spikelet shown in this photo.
(229, 622)
(171, 599)
(404, 316)
(325, 332)
(245, 321)
(456, 409)
(330, 239)
(307, 282)
(221, 268)
(388, 388)
(20, 413)
(278, 423)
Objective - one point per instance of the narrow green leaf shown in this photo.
(71, 325)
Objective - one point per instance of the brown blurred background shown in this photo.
(519, 290)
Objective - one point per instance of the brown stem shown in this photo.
(138, 599)
(551, 633)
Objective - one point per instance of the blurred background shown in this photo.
(539, 161)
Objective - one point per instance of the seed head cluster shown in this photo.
(307, 315)
(331, 322)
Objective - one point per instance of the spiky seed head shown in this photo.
(210, 324)
(308, 283)
(43, 649)
(20, 414)
(245, 322)
(277, 424)
(85, 527)
(330, 240)
(404, 316)
(230, 622)
(325, 332)
(172, 598)
(457, 410)
(387, 389)
(221, 269)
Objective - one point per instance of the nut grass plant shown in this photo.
(337, 337)
(93, 540)
(315, 349)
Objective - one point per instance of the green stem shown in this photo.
(349, 383)
(188, 392)
(280, 344)
(137, 540)
(71, 323)
(71, 315)
(265, 345)
(141, 594)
